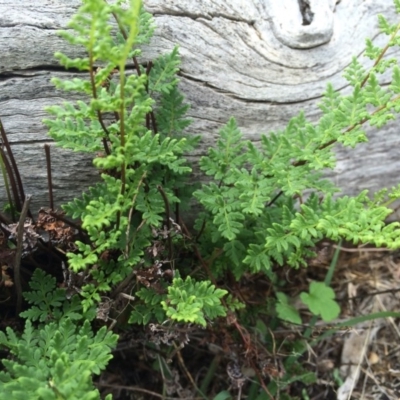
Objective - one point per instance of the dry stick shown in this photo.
(49, 179)
(187, 373)
(261, 380)
(361, 249)
(370, 294)
(18, 255)
(138, 389)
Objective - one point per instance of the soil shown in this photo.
(358, 361)
(366, 280)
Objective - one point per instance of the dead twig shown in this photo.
(360, 249)
(139, 389)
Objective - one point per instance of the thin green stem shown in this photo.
(383, 52)
(328, 279)
(94, 90)
(134, 30)
(168, 219)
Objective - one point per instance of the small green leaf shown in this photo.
(320, 301)
(224, 395)
(285, 310)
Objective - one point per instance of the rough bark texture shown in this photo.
(260, 60)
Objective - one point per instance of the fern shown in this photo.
(55, 362)
(136, 161)
(190, 301)
(287, 165)
(263, 206)
(57, 359)
(151, 308)
(163, 79)
(48, 302)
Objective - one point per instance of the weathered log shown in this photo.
(260, 60)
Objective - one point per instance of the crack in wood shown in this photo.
(208, 17)
(45, 69)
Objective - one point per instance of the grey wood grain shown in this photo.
(252, 59)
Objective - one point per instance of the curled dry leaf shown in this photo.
(57, 231)
(30, 236)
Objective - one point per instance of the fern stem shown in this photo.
(130, 214)
(327, 281)
(364, 120)
(168, 218)
(125, 36)
(150, 117)
(333, 141)
(381, 55)
(16, 205)
(139, 72)
(203, 226)
(94, 90)
(261, 380)
(130, 39)
(6, 184)
(49, 179)
(332, 266)
(18, 255)
(275, 199)
(177, 212)
(153, 122)
(15, 170)
(122, 125)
